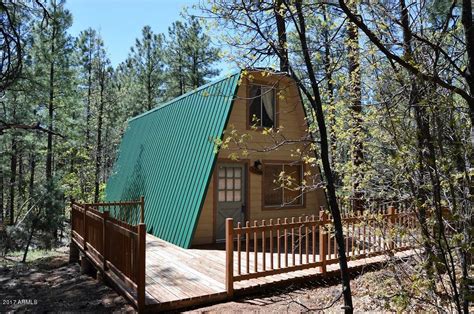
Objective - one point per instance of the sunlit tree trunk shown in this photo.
(353, 52)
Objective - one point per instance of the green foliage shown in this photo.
(189, 57)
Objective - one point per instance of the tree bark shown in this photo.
(98, 157)
(89, 89)
(330, 87)
(31, 185)
(2, 208)
(353, 51)
(281, 33)
(468, 26)
(13, 166)
(49, 153)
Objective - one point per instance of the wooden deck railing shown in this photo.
(117, 248)
(265, 249)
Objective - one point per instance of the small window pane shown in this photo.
(237, 172)
(268, 106)
(272, 192)
(230, 184)
(229, 173)
(221, 173)
(292, 193)
(221, 184)
(255, 107)
(237, 196)
(229, 196)
(221, 196)
(237, 184)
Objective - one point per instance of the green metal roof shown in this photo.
(167, 155)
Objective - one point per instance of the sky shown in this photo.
(120, 21)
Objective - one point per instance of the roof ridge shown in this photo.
(170, 102)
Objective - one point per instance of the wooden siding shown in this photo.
(290, 115)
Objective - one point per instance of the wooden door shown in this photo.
(230, 196)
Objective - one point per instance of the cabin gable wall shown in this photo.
(291, 120)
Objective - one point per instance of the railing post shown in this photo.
(142, 209)
(105, 216)
(323, 239)
(73, 249)
(391, 225)
(141, 267)
(84, 227)
(229, 261)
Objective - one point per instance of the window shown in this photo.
(230, 184)
(282, 190)
(262, 106)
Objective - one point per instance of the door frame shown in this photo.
(246, 194)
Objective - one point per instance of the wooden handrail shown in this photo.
(305, 237)
(131, 259)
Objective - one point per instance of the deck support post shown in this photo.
(391, 225)
(323, 239)
(73, 253)
(141, 267)
(229, 260)
(87, 268)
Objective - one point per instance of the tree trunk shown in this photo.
(89, 90)
(331, 190)
(279, 11)
(353, 51)
(28, 243)
(13, 166)
(49, 153)
(21, 177)
(181, 81)
(2, 214)
(31, 184)
(330, 87)
(468, 26)
(98, 157)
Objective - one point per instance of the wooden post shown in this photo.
(87, 267)
(391, 225)
(105, 216)
(142, 210)
(323, 239)
(141, 267)
(229, 261)
(73, 253)
(85, 228)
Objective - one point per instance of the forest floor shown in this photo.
(47, 283)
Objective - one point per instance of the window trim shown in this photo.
(249, 101)
(265, 163)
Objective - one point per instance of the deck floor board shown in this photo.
(177, 277)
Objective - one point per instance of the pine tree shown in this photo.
(146, 66)
(189, 57)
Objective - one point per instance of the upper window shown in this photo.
(282, 185)
(262, 106)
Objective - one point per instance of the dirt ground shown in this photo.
(52, 285)
(316, 296)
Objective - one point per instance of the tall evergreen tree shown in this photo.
(189, 57)
(146, 64)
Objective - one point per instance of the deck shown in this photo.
(178, 278)
(155, 275)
